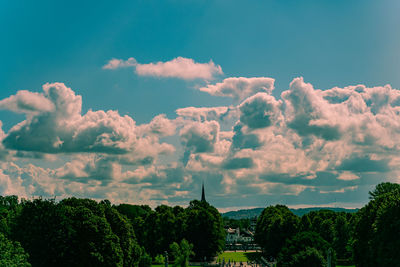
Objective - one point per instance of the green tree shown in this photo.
(93, 242)
(204, 229)
(133, 211)
(304, 249)
(274, 226)
(308, 257)
(155, 230)
(376, 234)
(124, 230)
(75, 232)
(342, 235)
(43, 231)
(9, 209)
(159, 259)
(382, 189)
(321, 222)
(181, 253)
(12, 254)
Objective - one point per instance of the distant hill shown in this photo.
(250, 213)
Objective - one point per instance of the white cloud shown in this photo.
(200, 137)
(180, 67)
(202, 114)
(240, 87)
(310, 144)
(66, 130)
(160, 125)
(348, 176)
(119, 63)
(27, 102)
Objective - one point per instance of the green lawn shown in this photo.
(238, 256)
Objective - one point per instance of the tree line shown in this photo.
(83, 232)
(370, 237)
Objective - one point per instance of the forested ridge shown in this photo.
(83, 232)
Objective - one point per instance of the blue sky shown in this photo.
(243, 150)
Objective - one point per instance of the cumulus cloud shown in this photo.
(309, 144)
(27, 102)
(200, 137)
(10, 186)
(240, 87)
(65, 130)
(308, 113)
(180, 67)
(85, 168)
(160, 125)
(259, 111)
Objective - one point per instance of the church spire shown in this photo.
(203, 195)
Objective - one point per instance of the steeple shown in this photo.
(203, 195)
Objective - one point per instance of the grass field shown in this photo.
(238, 256)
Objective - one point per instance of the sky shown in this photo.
(265, 102)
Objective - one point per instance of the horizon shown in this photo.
(141, 102)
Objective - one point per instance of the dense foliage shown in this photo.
(204, 228)
(83, 232)
(181, 253)
(370, 237)
(200, 224)
(377, 234)
(75, 232)
(12, 254)
(274, 226)
(304, 249)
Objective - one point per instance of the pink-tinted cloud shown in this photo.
(180, 67)
(204, 113)
(120, 63)
(240, 88)
(27, 102)
(310, 143)
(65, 130)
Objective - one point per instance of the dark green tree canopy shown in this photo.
(12, 254)
(383, 188)
(274, 226)
(302, 249)
(181, 253)
(377, 235)
(75, 232)
(204, 229)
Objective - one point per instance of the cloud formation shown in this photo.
(240, 88)
(27, 102)
(206, 114)
(259, 111)
(180, 67)
(308, 145)
(65, 130)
